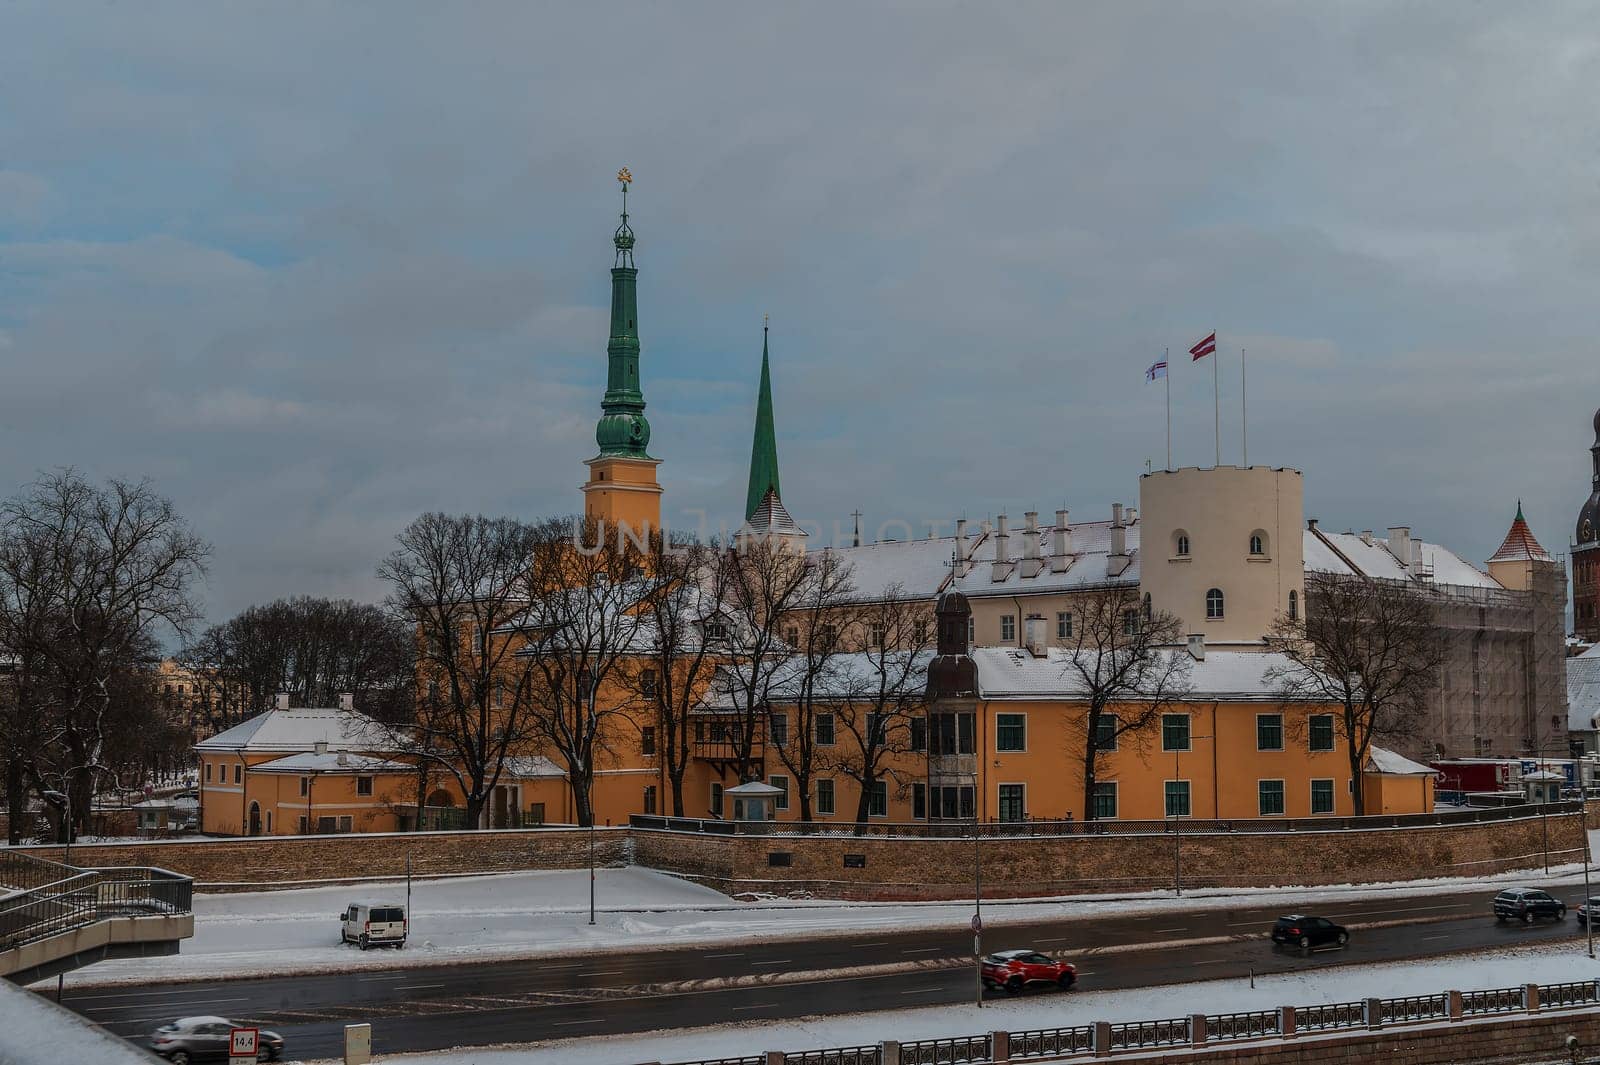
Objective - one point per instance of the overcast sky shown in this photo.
(317, 268)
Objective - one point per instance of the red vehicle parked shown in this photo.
(1013, 970)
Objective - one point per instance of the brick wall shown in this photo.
(1490, 1041)
(270, 861)
(890, 869)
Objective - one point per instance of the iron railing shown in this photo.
(89, 895)
(1106, 1038)
(1052, 1042)
(1184, 826)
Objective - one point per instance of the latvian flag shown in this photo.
(1205, 347)
(1158, 369)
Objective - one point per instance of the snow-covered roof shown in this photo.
(1583, 691)
(1323, 551)
(917, 567)
(1228, 676)
(300, 730)
(330, 762)
(842, 675)
(1381, 760)
(531, 767)
(1091, 562)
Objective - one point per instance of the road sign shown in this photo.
(977, 925)
(244, 1044)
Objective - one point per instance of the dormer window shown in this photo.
(716, 630)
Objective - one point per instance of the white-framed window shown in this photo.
(1105, 800)
(716, 630)
(1269, 797)
(1269, 732)
(878, 799)
(208, 772)
(1175, 732)
(875, 633)
(825, 797)
(791, 635)
(1063, 624)
(1130, 623)
(972, 631)
(1214, 604)
(647, 740)
(1177, 798)
(1010, 733)
(780, 802)
(1013, 804)
(1105, 732)
(1258, 542)
(647, 684)
(1320, 734)
(1008, 627)
(824, 730)
(305, 825)
(363, 785)
(1322, 796)
(305, 786)
(1180, 544)
(238, 773)
(780, 730)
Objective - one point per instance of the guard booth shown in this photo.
(1543, 786)
(754, 801)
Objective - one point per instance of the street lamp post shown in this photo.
(977, 906)
(587, 686)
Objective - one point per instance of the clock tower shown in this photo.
(622, 488)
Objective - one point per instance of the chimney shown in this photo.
(1311, 523)
(1061, 544)
(343, 759)
(1366, 537)
(283, 700)
(347, 701)
(1417, 569)
(1031, 562)
(1033, 636)
(1131, 514)
(1002, 551)
(1400, 543)
(961, 547)
(1197, 646)
(1119, 531)
(321, 746)
(1116, 514)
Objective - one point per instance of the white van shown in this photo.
(373, 924)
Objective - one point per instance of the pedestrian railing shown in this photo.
(1027, 828)
(79, 897)
(1104, 1039)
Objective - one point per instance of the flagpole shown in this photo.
(1216, 397)
(1166, 359)
(1244, 411)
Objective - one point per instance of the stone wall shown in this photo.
(900, 868)
(283, 861)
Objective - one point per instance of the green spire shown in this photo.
(764, 449)
(1519, 511)
(623, 429)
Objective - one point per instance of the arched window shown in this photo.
(1180, 544)
(1213, 604)
(1258, 543)
(1294, 606)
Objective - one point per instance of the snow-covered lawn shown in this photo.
(1459, 972)
(515, 915)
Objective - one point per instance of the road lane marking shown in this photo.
(562, 1024)
(920, 990)
(1442, 935)
(777, 961)
(1062, 939)
(416, 987)
(738, 955)
(607, 972)
(872, 944)
(922, 950)
(757, 1006)
(1211, 961)
(1179, 929)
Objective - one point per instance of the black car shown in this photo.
(206, 1039)
(1586, 908)
(1527, 905)
(1297, 929)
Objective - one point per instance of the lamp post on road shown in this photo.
(977, 904)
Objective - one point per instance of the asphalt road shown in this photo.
(436, 1007)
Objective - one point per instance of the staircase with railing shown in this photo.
(56, 917)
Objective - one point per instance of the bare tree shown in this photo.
(315, 649)
(821, 619)
(884, 694)
(762, 580)
(461, 580)
(104, 570)
(586, 593)
(1122, 663)
(1372, 646)
(682, 598)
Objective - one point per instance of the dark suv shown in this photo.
(1526, 904)
(1298, 930)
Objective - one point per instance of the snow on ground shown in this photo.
(519, 915)
(1468, 972)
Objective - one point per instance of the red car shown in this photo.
(1013, 970)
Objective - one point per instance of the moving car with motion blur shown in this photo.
(1591, 905)
(1299, 930)
(1013, 970)
(200, 1039)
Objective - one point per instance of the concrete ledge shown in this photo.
(43, 957)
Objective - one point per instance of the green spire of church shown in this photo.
(623, 429)
(764, 450)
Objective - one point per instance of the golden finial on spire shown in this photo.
(625, 176)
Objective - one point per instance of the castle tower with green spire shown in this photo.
(622, 487)
(764, 449)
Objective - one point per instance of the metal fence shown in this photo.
(1026, 828)
(85, 896)
(1104, 1038)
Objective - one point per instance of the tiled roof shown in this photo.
(1519, 544)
